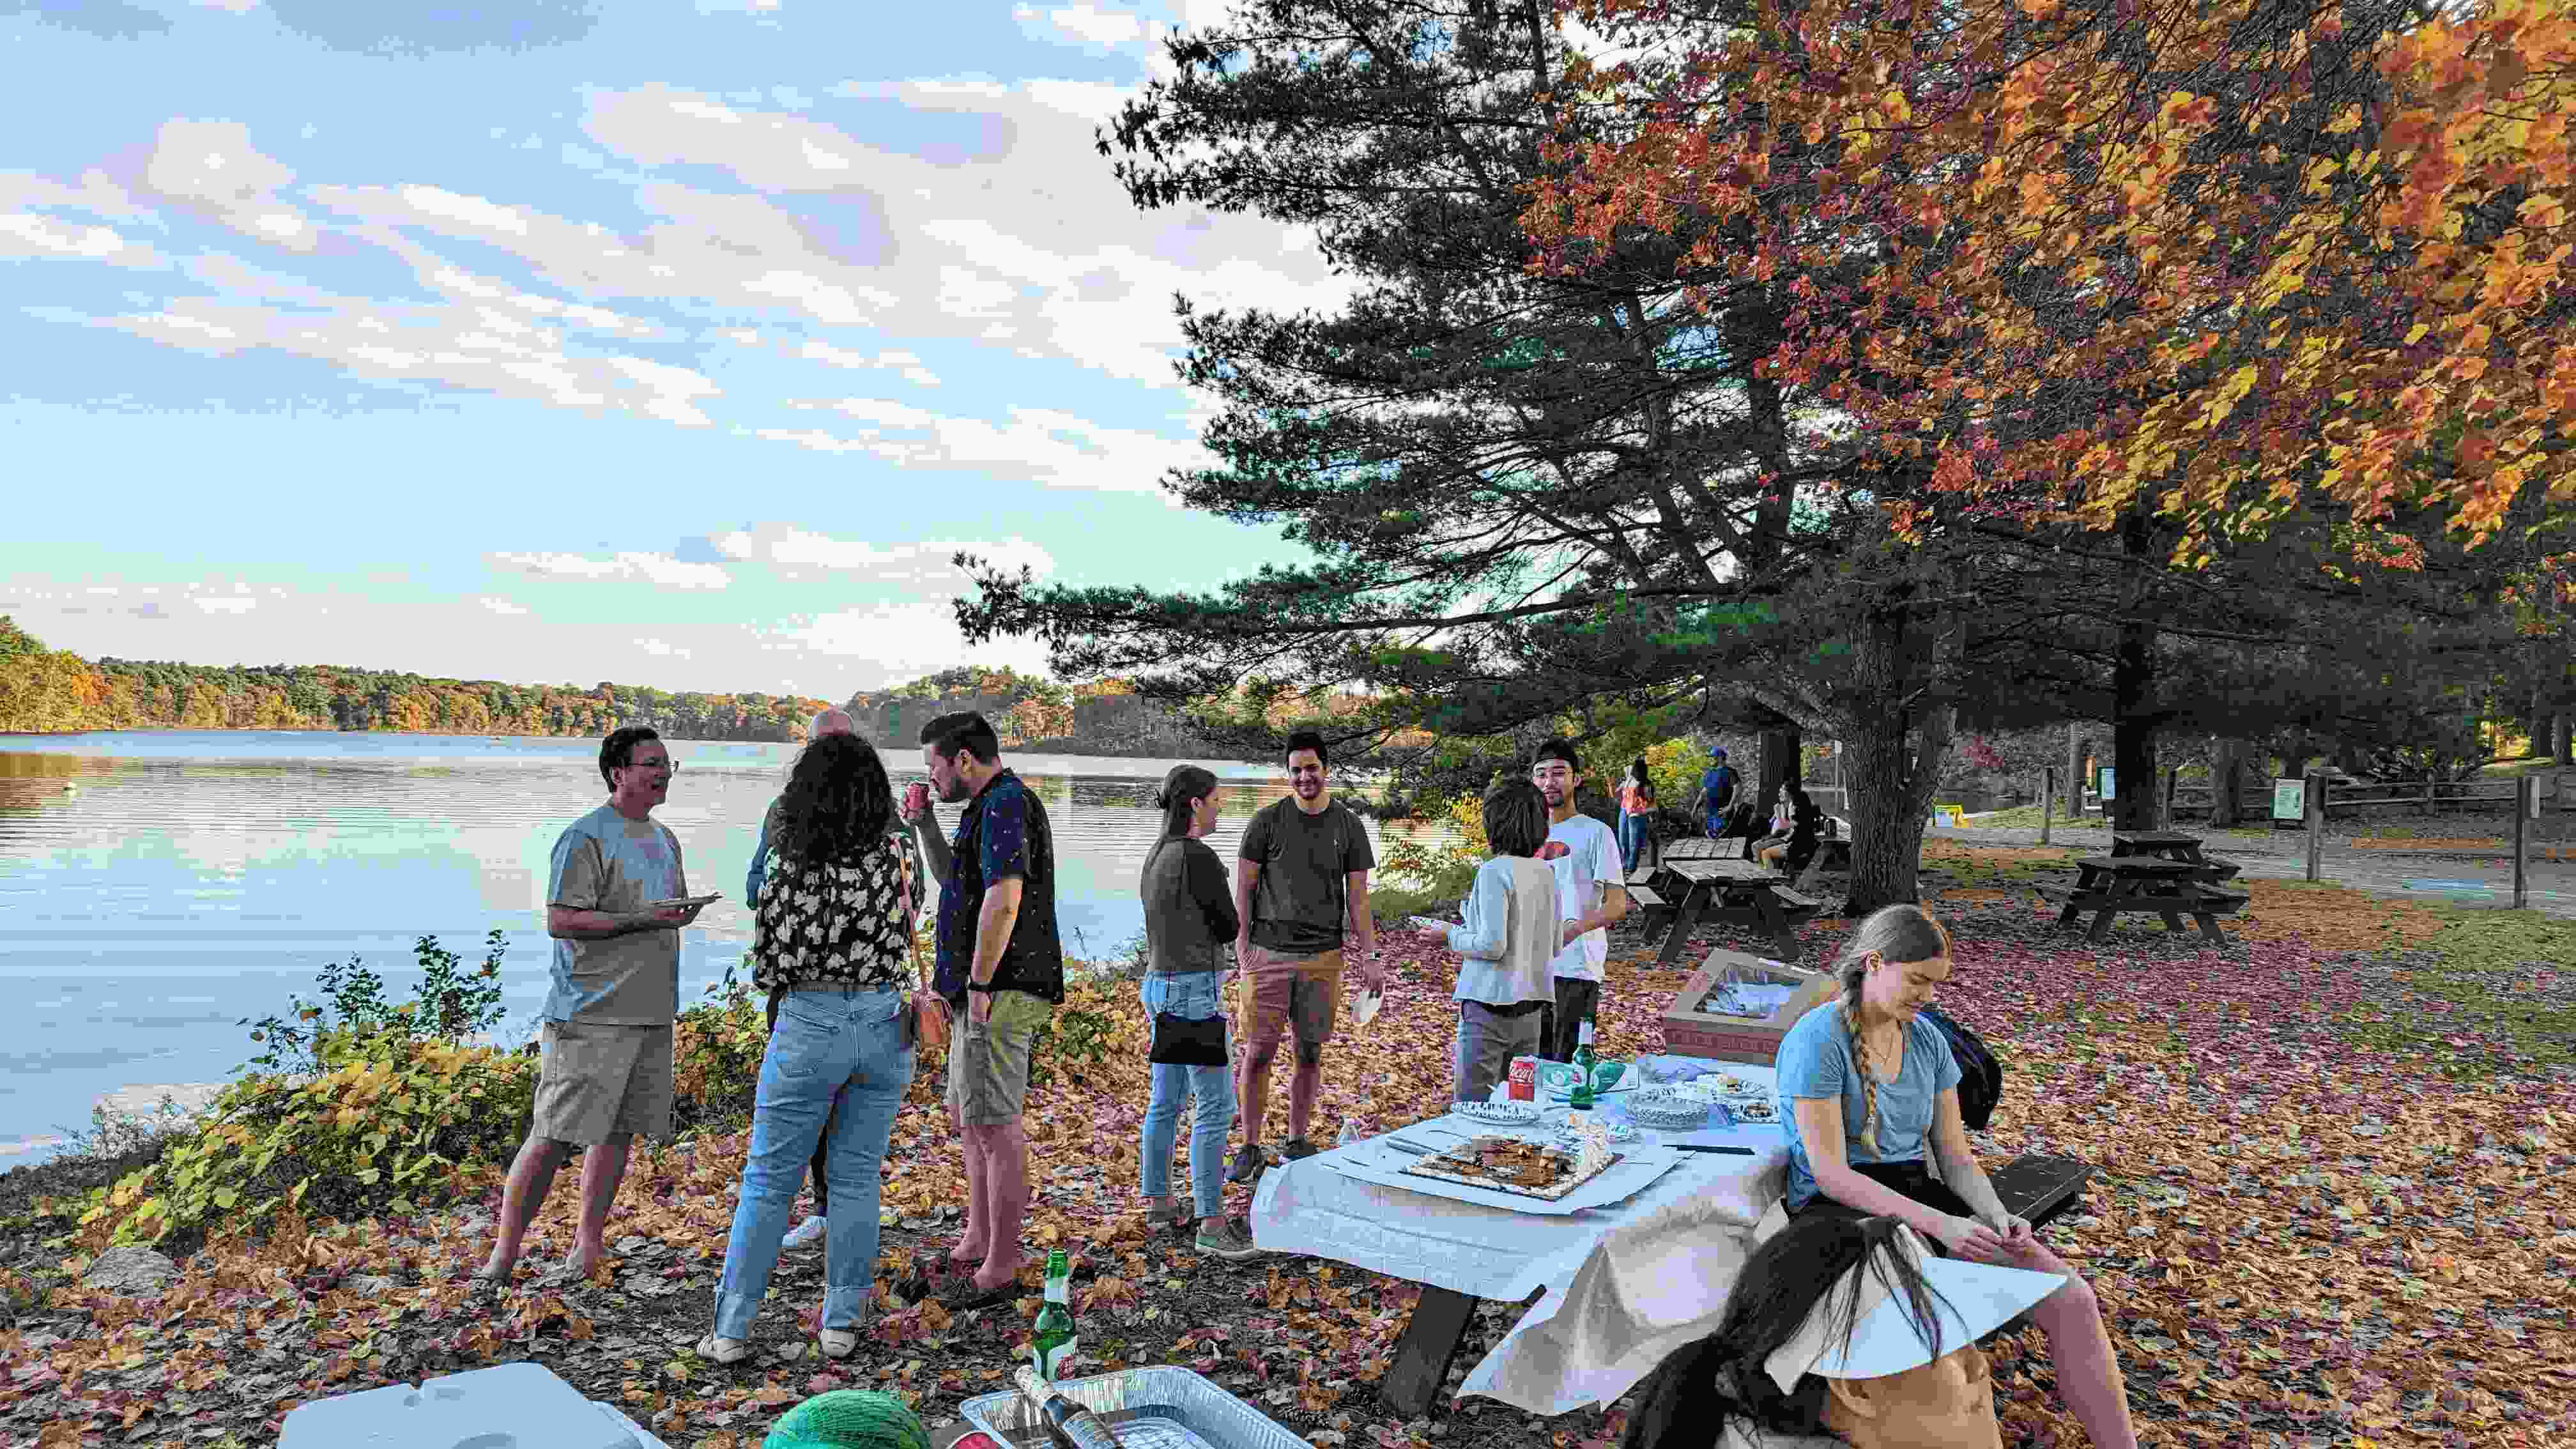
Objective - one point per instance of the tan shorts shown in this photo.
(988, 1065)
(1303, 993)
(597, 1082)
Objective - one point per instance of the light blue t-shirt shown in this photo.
(1815, 1060)
(606, 862)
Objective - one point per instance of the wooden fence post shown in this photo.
(2428, 794)
(2526, 804)
(2316, 822)
(2173, 777)
(2047, 799)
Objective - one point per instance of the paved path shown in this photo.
(2465, 881)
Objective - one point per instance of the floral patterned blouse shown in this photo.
(849, 921)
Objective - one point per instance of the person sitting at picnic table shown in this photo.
(1872, 1097)
(1841, 1331)
(1514, 930)
(1798, 825)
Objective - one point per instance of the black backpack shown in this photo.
(1981, 1077)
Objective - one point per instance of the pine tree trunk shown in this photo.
(2561, 725)
(2133, 686)
(2226, 781)
(2075, 772)
(1780, 750)
(1892, 776)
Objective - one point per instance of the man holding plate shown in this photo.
(616, 898)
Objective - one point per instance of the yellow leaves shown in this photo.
(2417, 333)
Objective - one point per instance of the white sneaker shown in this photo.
(805, 1234)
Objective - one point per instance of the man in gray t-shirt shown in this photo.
(1300, 890)
(609, 1011)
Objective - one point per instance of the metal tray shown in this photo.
(1149, 1408)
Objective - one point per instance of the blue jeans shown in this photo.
(1194, 997)
(844, 1045)
(1636, 832)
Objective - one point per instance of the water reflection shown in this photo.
(192, 878)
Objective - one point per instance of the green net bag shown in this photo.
(849, 1419)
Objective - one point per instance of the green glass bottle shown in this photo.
(1583, 1064)
(1053, 1340)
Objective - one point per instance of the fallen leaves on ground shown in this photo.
(2301, 1234)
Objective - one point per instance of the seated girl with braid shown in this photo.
(1869, 1091)
(1840, 1331)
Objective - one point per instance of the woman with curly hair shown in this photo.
(831, 941)
(1871, 1097)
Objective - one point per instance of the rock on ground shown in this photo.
(132, 1270)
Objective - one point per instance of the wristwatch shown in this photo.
(985, 986)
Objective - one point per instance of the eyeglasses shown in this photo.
(671, 765)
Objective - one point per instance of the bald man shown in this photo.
(829, 722)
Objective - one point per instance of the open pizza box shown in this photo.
(1735, 1007)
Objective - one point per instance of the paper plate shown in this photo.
(1499, 1114)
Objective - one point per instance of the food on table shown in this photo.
(1511, 1164)
(1753, 1111)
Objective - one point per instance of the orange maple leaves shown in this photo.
(2023, 250)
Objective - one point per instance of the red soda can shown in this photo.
(1521, 1083)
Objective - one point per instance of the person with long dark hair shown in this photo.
(1792, 847)
(1841, 1330)
(1872, 1097)
(832, 939)
(1190, 926)
(1636, 813)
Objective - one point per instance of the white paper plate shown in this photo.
(1619, 1132)
(1758, 1113)
(1499, 1114)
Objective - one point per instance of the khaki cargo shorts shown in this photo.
(1299, 993)
(988, 1065)
(598, 1081)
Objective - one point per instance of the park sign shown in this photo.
(2290, 800)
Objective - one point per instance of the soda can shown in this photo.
(1521, 1082)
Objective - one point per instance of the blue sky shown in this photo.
(666, 341)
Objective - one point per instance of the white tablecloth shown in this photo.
(1624, 1284)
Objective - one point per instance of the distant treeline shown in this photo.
(47, 691)
(1030, 714)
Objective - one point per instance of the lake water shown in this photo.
(189, 879)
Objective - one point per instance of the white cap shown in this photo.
(1969, 1301)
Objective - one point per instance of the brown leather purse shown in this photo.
(929, 1014)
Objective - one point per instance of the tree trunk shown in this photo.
(2561, 725)
(2226, 782)
(2074, 771)
(2133, 688)
(1892, 775)
(1780, 765)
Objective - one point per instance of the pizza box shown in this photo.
(1773, 998)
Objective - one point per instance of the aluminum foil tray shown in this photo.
(1150, 1408)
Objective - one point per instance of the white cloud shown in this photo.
(1037, 443)
(786, 545)
(662, 649)
(905, 363)
(906, 639)
(212, 167)
(237, 7)
(498, 605)
(32, 234)
(224, 603)
(96, 194)
(1087, 23)
(651, 568)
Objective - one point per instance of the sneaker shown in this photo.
(1247, 1164)
(805, 1234)
(1174, 1215)
(723, 1350)
(1227, 1240)
(1297, 1149)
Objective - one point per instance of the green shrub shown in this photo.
(385, 1132)
(358, 1023)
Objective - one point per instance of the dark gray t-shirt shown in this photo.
(1300, 901)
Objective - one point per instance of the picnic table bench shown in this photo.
(2108, 885)
(2170, 845)
(1738, 891)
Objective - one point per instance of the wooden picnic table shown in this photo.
(2169, 845)
(1737, 891)
(2110, 884)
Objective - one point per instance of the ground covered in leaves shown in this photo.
(2333, 1210)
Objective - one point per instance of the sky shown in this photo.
(669, 342)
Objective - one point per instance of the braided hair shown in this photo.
(1893, 933)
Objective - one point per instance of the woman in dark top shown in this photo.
(831, 938)
(1790, 850)
(1190, 925)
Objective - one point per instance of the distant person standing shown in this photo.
(1000, 974)
(1302, 890)
(1592, 896)
(606, 1074)
(1636, 797)
(827, 723)
(1716, 793)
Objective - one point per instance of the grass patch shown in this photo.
(2496, 975)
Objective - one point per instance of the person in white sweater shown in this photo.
(1513, 929)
